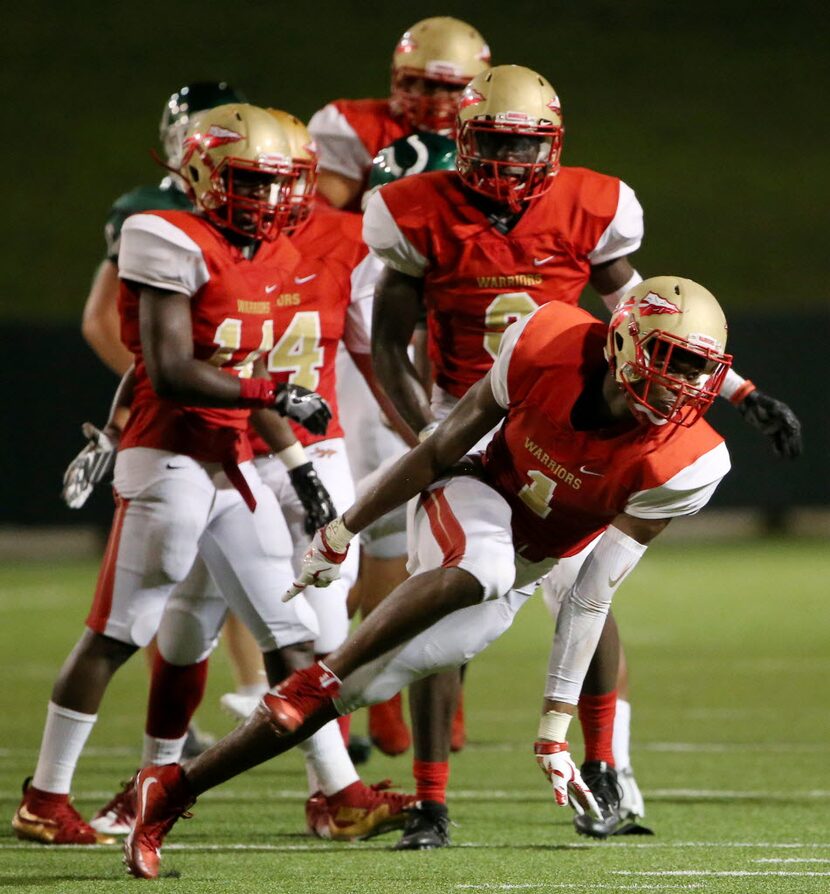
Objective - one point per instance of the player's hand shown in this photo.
(303, 406)
(774, 419)
(319, 509)
(556, 763)
(321, 563)
(92, 465)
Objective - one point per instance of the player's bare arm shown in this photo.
(476, 414)
(340, 190)
(100, 324)
(398, 307)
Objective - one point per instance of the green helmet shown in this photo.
(180, 107)
(419, 152)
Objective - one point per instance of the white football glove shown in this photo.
(555, 762)
(322, 561)
(92, 465)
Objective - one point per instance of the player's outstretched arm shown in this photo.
(475, 414)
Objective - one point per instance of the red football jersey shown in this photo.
(232, 318)
(349, 133)
(478, 280)
(310, 314)
(566, 485)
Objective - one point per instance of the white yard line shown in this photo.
(722, 873)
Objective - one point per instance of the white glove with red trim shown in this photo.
(555, 762)
(323, 558)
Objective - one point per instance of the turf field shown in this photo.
(729, 657)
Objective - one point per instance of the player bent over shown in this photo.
(571, 394)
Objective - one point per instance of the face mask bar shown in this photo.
(498, 178)
(434, 112)
(654, 370)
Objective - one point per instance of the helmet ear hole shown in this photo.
(618, 341)
(194, 173)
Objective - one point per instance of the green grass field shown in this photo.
(728, 647)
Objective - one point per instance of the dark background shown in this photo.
(715, 113)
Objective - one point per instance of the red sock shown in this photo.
(175, 693)
(596, 716)
(431, 779)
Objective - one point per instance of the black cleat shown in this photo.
(601, 778)
(427, 827)
(360, 749)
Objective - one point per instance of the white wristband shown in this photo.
(553, 725)
(292, 456)
(612, 299)
(338, 535)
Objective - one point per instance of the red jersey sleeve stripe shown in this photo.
(102, 602)
(446, 529)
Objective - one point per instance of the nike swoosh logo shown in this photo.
(269, 289)
(589, 472)
(145, 786)
(299, 280)
(174, 467)
(538, 262)
(612, 582)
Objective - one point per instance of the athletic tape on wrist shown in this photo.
(292, 456)
(612, 299)
(338, 535)
(553, 725)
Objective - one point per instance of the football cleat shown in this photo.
(427, 827)
(117, 816)
(357, 812)
(291, 703)
(602, 780)
(240, 707)
(387, 728)
(161, 797)
(360, 749)
(51, 819)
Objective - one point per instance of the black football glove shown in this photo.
(774, 419)
(303, 406)
(319, 509)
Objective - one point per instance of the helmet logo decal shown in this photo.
(438, 69)
(484, 54)
(555, 106)
(406, 44)
(470, 97)
(652, 304)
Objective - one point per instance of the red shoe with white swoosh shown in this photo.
(161, 797)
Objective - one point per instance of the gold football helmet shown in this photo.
(666, 343)
(509, 135)
(304, 157)
(238, 165)
(432, 62)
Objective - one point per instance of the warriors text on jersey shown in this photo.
(232, 307)
(477, 279)
(326, 300)
(565, 485)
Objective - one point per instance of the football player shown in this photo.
(101, 328)
(479, 247)
(431, 64)
(326, 301)
(599, 435)
(196, 314)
